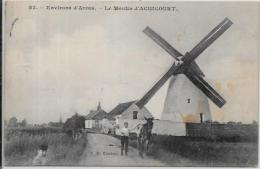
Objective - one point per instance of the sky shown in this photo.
(58, 62)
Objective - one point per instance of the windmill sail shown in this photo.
(169, 49)
(190, 67)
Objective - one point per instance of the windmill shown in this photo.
(188, 76)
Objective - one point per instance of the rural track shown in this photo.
(104, 150)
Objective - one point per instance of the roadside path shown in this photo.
(104, 150)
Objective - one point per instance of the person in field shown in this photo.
(41, 157)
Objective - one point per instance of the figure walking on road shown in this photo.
(124, 138)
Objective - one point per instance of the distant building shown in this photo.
(95, 117)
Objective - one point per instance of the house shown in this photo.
(128, 112)
(95, 117)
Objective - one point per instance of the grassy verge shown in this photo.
(205, 152)
(188, 151)
(20, 149)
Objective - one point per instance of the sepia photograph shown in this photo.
(130, 84)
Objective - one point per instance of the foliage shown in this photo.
(200, 151)
(22, 146)
(23, 123)
(13, 122)
(255, 122)
(55, 124)
(75, 123)
(209, 152)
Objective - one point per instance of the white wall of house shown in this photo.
(89, 124)
(117, 117)
(108, 125)
(160, 127)
(93, 123)
(128, 113)
(167, 127)
(98, 123)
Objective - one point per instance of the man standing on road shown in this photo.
(124, 138)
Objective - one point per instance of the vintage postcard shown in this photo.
(130, 83)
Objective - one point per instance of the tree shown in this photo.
(55, 124)
(23, 123)
(74, 124)
(13, 122)
(254, 122)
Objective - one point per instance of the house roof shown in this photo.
(96, 115)
(119, 109)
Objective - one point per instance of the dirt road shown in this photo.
(104, 150)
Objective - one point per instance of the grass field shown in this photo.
(21, 148)
(201, 152)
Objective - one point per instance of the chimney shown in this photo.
(99, 106)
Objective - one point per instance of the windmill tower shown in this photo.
(185, 102)
(188, 92)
